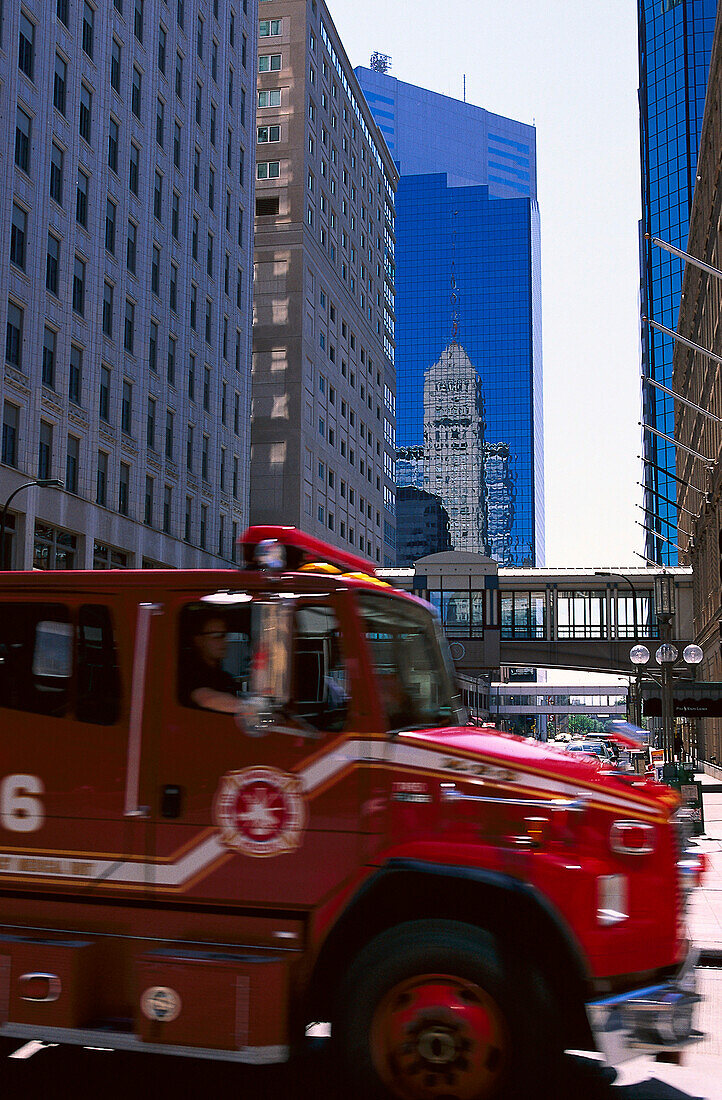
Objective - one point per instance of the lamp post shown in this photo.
(639, 656)
(666, 655)
(42, 483)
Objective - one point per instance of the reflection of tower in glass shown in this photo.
(500, 475)
(410, 467)
(422, 525)
(454, 446)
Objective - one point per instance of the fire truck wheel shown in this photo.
(427, 1011)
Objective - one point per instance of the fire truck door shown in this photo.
(262, 806)
(64, 745)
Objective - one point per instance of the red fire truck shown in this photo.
(237, 802)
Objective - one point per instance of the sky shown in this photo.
(570, 68)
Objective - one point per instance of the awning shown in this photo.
(691, 700)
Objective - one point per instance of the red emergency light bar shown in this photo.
(301, 549)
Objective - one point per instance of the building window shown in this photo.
(110, 214)
(179, 76)
(268, 170)
(268, 133)
(60, 83)
(126, 408)
(108, 309)
(150, 424)
(48, 368)
(167, 508)
(162, 37)
(81, 199)
(104, 402)
(18, 237)
(115, 59)
(79, 286)
(135, 92)
(72, 462)
(53, 548)
(177, 144)
(124, 489)
(269, 28)
(129, 328)
(173, 292)
(153, 346)
(155, 270)
(11, 420)
(269, 63)
(138, 20)
(159, 122)
(188, 519)
(23, 126)
(269, 97)
(169, 435)
(61, 10)
(26, 46)
(113, 142)
(88, 21)
(101, 489)
(45, 450)
(130, 248)
(171, 360)
(133, 168)
(189, 449)
(86, 108)
(56, 174)
(75, 374)
(148, 508)
(175, 216)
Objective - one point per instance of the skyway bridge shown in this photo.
(576, 619)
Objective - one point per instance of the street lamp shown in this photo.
(666, 655)
(639, 656)
(42, 483)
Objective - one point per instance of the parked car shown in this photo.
(595, 747)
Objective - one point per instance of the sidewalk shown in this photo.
(705, 915)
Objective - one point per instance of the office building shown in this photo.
(468, 278)
(125, 237)
(697, 378)
(323, 420)
(675, 39)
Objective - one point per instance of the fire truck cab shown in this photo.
(236, 802)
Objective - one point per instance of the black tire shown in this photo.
(439, 1060)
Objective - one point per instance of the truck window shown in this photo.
(98, 687)
(36, 657)
(224, 653)
(214, 655)
(320, 695)
(415, 687)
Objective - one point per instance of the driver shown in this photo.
(208, 685)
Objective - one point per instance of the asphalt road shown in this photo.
(59, 1072)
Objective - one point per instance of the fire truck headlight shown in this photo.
(632, 838)
(612, 899)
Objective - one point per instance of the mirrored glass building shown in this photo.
(468, 324)
(675, 42)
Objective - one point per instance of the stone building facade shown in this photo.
(324, 406)
(125, 278)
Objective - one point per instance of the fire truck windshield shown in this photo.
(414, 682)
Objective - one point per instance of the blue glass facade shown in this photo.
(467, 299)
(675, 42)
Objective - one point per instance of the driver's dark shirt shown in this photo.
(201, 675)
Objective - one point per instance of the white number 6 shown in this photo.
(20, 810)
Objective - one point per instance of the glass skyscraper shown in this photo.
(675, 42)
(468, 325)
